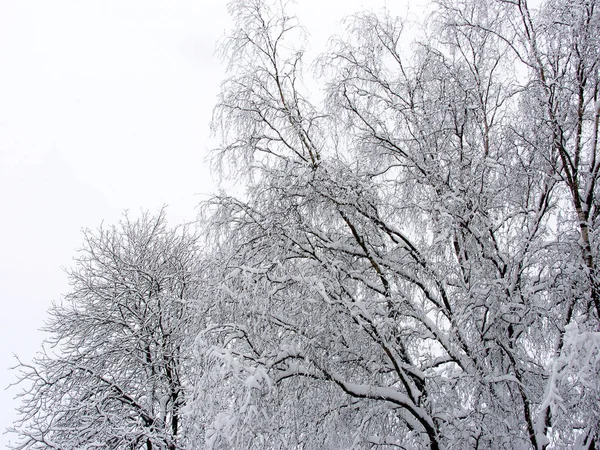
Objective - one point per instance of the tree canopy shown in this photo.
(117, 366)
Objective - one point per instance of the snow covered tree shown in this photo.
(555, 47)
(412, 265)
(116, 370)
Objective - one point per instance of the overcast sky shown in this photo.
(104, 106)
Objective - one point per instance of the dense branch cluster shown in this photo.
(411, 264)
(116, 368)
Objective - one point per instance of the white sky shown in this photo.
(104, 106)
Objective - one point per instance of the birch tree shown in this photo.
(412, 263)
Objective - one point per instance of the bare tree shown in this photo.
(411, 266)
(116, 370)
(556, 48)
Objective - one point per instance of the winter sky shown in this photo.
(104, 106)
